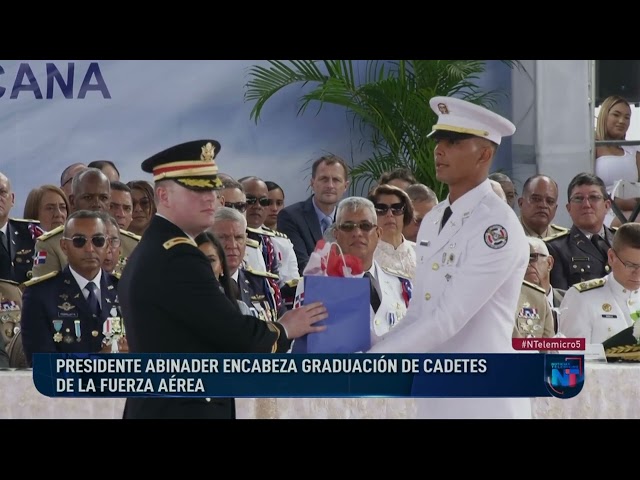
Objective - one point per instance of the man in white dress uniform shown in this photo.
(472, 255)
(599, 309)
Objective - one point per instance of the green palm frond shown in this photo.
(387, 102)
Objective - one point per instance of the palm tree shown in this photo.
(390, 108)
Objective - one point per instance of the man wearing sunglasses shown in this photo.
(171, 300)
(600, 308)
(65, 312)
(357, 233)
(472, 255)
(91, 191)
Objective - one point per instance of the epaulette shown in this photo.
(613, 229)
(39, 279)
(261, 231)
(395, 273)
(292, 283)
(252, 243)
(26, 220)
(10, 282)
(177, 241)
(534, 286)
(116, 274)
(559, 228)
(261, 274)
(557, 235)
(274, 232)
(129, 234)
(590, 285)
(51, 233)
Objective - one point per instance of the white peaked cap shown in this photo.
(459, 116)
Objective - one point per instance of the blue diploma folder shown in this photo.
(348, 326)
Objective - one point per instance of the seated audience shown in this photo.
(423, 199)
(507, 185)
(121, 205)
(600, 308)
(276, 203)
(144, 206)
(538, 206)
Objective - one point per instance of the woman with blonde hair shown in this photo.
(616, 162)
(49, 205)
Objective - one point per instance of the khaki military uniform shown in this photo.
(50, 257)
(534, 317)
(10, 308)
(551, 230)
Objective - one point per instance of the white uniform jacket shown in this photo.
(466, 288)
(597, 309)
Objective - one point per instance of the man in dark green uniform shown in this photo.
(171, 301)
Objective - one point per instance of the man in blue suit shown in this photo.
(305, 222)
(64, 312)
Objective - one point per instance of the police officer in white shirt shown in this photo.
(472, 255)
(598, 309)
(357, 233)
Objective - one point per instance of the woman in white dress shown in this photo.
(613, 162)
(394, 211)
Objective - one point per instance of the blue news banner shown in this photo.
(308, 375)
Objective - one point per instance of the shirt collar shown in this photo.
(82, 282)
(320, 214)
(467, 202)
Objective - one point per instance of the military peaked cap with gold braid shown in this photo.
(190, 164)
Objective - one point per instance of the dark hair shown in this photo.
(147, 189)
(225, 278)
(81, 214)
(329, 160)
(400, 173)
(586, 178)
(107, 218)
(398, 192)
(120, 186)
(273, 186)
(100, 164)
(528, 181)
(628, 235)
(231, 183)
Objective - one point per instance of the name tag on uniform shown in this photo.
(424, 243)
(609, 316)
(579, 259)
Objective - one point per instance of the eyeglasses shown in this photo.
(240, 206)
(633, 267)
(264, 201)
(579, 199)
(351, 226)
(80, 241)
(397, 209)
(537, 199)
(114, 242)
(278, 203)
(533, 257)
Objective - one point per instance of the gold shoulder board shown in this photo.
(280, 234)
(292, 283)
(261, 274)
(27, 220)
(261, 231)
(177, 241)
(534, 286)
(590, 285)
(557, 235)
(129, 234)
(395, 273)
(48, 235)
(559, 228)
(252, 243)
(41, 278)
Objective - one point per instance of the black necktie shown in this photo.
(600, 244)
(5, 244)
(92, 299)
(375, 298)
(235, 289)
(445, 217)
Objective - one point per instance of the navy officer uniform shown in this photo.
(576, 258)
(56, 317)
(171, 301)
(256, 291)
(17, 248)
